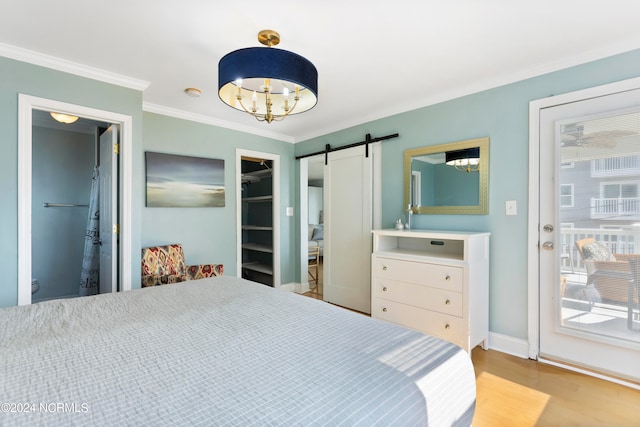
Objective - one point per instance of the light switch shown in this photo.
(511, 207)
(289, 211)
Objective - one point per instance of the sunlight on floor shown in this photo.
(518, 401)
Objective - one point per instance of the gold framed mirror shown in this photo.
(448, 178)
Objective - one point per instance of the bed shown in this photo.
(223, 351)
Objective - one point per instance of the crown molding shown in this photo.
(200, 118)
(48, 61)
(502, 79)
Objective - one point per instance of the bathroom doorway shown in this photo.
(56, 168)
(68, 206)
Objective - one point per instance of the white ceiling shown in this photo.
(374, 58)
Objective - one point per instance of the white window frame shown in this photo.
(572, 196)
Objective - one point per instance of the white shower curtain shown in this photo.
(91, 259)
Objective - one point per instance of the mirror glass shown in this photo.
(448, 179)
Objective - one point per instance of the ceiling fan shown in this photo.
(573, 135)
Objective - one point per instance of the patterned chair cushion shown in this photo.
(163, 260)
(154, 280)
(165, 264)
(204, 270)
(597, 251)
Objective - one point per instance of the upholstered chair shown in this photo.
(165, 264)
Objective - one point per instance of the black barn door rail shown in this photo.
(328, 149)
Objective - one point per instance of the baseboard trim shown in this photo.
(298, 288)
(289, 287)
(509, 345)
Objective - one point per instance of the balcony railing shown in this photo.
(615, 166)
(618, 242)
(615, 207)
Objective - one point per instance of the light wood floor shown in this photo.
(516, 392)
(512, 391)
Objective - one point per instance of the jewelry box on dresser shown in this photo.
(434, 281)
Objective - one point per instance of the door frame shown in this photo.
(26, 105)
(534, 196)
(275, 158)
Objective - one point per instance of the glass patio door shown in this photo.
(590, 234)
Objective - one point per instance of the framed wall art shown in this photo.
(184, 181)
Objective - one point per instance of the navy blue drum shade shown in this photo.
(288, 73)
(272, 63)
(467, 153)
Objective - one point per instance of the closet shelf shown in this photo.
(256, 227)
(256, 215)
(255, 176)
(256, 266)
(267, 198)
(257, 247)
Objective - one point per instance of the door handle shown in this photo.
(547, 246)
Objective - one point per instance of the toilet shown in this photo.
(35, 286)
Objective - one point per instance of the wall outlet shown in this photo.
(289, 211)
(511, 207)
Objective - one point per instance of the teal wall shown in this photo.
(19, 77)
(502, 114)
(455, 188)
(443, 185)
(426, 170)
(208, 235)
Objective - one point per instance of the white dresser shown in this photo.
(434, 281)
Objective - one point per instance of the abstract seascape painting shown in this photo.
(184, 181)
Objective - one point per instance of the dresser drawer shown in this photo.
(448, 328)
(434, 275)
(441, 300)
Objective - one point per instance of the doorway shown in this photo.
(258, 198)
(120, 263)
(347, 279)
(312, 216)
(587, 172)
(71, 162)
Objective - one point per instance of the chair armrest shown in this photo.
(612, 266)
(201, 271)
(614, 270)
(626, 257)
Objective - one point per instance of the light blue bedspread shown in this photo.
(223, 352)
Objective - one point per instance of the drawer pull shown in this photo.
(384, 268)
(447, 302)
(447, 326)
(384, 289)
(448, 277)
(384, 309)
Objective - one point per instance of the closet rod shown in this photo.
(329, 149)
(63, 205)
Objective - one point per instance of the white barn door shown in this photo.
(348, 220)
